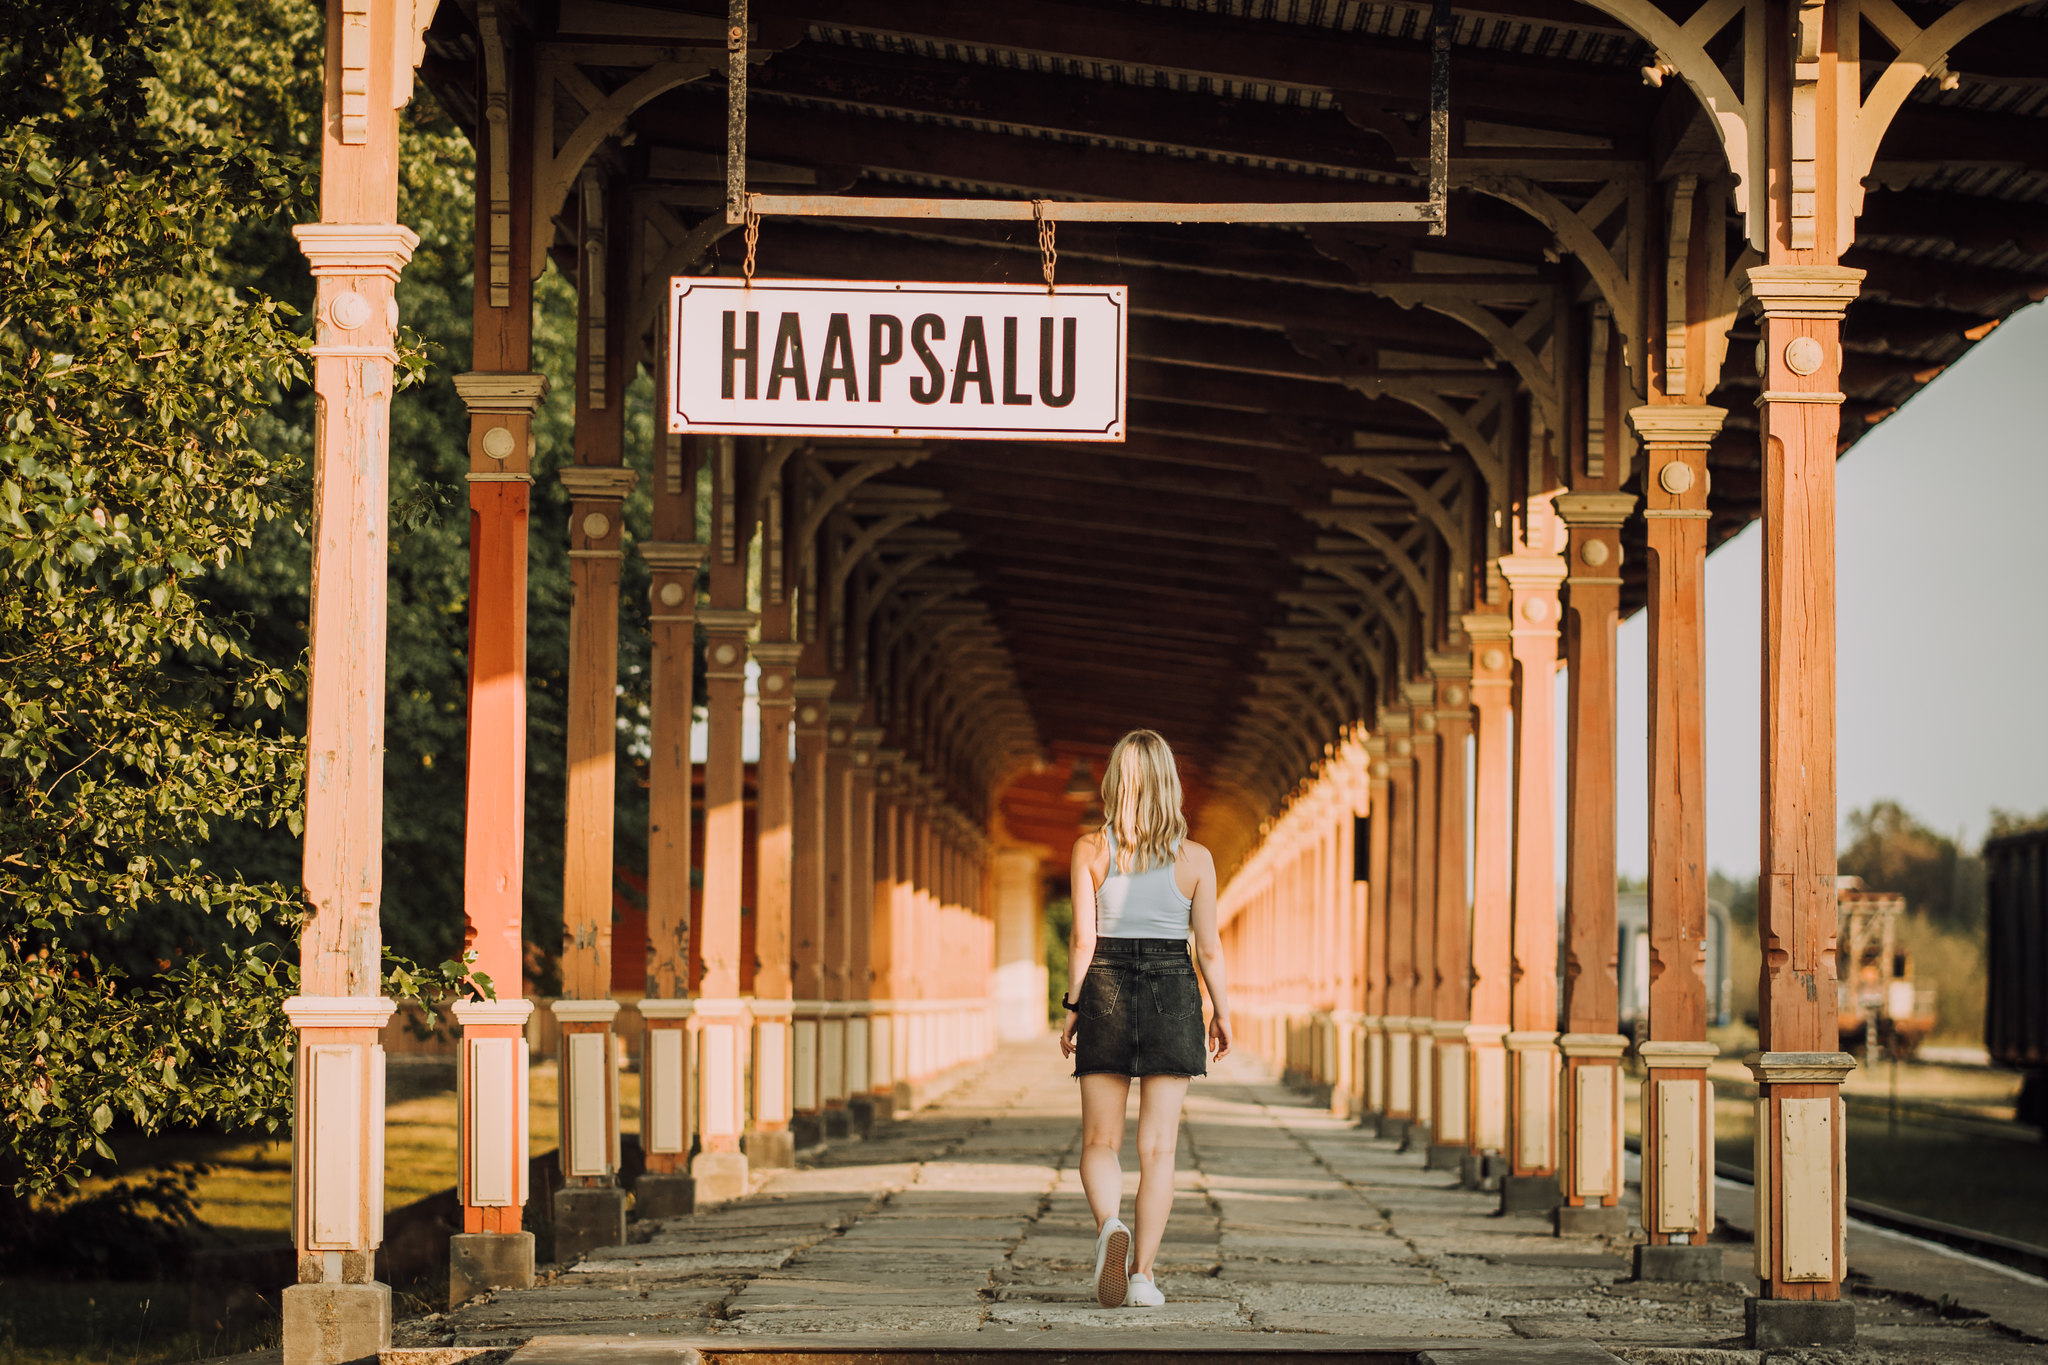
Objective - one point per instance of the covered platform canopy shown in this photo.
(1378, 483)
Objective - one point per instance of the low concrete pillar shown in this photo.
(590, 1208)
(665, 1189)
(1589, 1167)
(721, 1030)
(493, 1251)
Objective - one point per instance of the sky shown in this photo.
(1941, 618)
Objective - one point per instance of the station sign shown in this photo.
(886, 359)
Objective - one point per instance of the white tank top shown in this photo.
(1144, 904)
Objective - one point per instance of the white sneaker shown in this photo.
(1142, 1293)
(1112, 1263)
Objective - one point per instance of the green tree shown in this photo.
(152, 497)
(1891, 850)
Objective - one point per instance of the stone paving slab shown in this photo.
(963, 1231)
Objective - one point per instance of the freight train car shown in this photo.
(2016, 1004)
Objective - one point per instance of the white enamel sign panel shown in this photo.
(884, 358)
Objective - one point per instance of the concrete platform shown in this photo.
(960, 1234)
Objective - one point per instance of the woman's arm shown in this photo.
(1209, 949)
(1081, 938)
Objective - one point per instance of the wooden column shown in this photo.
(1492, 893)
(886, 947)
(492, 1081)
(721, 1022)
(673, 557)
(860, 981)
(1421, 699)
(769, 1142)
(1453, 963)
(1347, 1099)
(1677, 1099)
(1400, 940)
(1378, 845)
(338, 1311)
(1799, 1068)
(590, 1211)
(502, 394)
(1533, 577)
(807, 904)
(836, 956)
(1589, 1161)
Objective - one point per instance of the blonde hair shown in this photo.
(1141, 802)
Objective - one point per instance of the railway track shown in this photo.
(2004, 1250)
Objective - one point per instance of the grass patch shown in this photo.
(110, 1323)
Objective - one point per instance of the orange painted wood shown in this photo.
(1677, 879)
(1422, 956)
(835, 948)
(861, 864)
(1378, 845)
(1492, 819)
(1796, 912)
(1592, 616)
(1534, 996)
(1453, 998)
(1400, 875)
(807, 874)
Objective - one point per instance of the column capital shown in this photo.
(1449, 665)
(339, 1011)
(867, 737)
(815, 689)
(727, 620)
(672, 554)
(508, 391)
(845, 712)
(1418, 693)
(1532, 572)
(492, 1013)
(1677, 424)
(888, 758)
(1488, 625)
(1822, 292)
(777, 653)
(1800, 1068)
(1595, 509)
(357, 248)
(598, 480)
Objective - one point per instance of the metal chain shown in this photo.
(753, 238)
(1046, 249)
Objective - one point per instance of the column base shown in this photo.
(770, 1149)
(664, 1194)
(1529, 1193)
(1445, 1156)
(860, 1112)
(479, 1262)
(838, 1123)
(720, 1176)
(1393, 1129)
(1772, 1323)
(1417, 1138)
(1670, 1264)
(1482, 1171)
(330, 1324)
(806, 1130)
(1590, 1220)
(586, 1218)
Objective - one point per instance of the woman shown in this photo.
(1140, 885)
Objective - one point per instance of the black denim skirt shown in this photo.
(1140, 1011)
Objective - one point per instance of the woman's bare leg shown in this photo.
(1103, 1100)
(1159, 1101)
